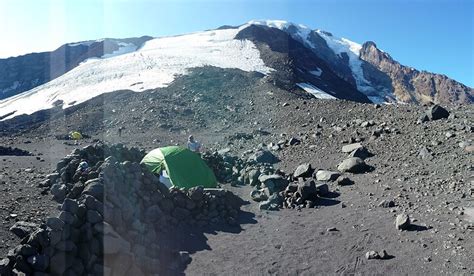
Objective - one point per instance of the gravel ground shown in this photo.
(437, 192)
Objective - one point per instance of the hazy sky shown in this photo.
(432, 35)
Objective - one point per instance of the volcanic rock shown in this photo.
(437, 112)
(402, 222)
(353, 165)
(360, 152)
(22, 228)
(264, 156)
(322, 175)
(307, 189)
(351, 147)
(303, 170)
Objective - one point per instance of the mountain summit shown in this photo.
(292, 56)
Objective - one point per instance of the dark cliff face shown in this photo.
(387, 78)
(413, 86)
(293, 63)
(19, 74)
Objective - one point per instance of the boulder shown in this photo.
(5, 267)
(437, 112)
(22, 228)
(422, 119)
(253, 177)
(307, 189)
(322, 175)
(361, 152)
(303, 170)
(94, 188)
(258, 195)
(322, 189)
(372, 255)
(263, 156)
(274, 182)
(55, 223)
(353, 165)
(273, 203)
(351, 147)
(344, 181)
(70, 205)
(402, 222)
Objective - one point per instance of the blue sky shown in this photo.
(432, 35)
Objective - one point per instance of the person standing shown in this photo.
(193, 145)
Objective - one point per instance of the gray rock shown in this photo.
(294, 141)
(59, 191)
(67, 217)
(425, 154)
(322, 175)
(253, 177)
(437, 112)
(258, 195)
(70, 205)
(344, 181)
(306, 189)
(22, 228)
(322, 189)
(351, 147)
(93, 216)
(273, 182)
(303, 170)
(361, 152)
(94, 188)
(387, 203)
(5, 267)
(372, 255)
(264, 156)
(53, 177)
(273, 203)
(25, 250)
(422, 119)
(353, 165)
(55, 223)
(21, 266)
(402, 222)
(196, 193)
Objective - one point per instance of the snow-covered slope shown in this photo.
(327, 66)
(339, 46)
(154, 65)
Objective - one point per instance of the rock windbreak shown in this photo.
(113, 220)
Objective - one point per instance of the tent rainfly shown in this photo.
(185, 168)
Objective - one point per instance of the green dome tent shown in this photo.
(185, 168)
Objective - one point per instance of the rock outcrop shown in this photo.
(410, 85)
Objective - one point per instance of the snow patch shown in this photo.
(154, 65)
(316, 92)
(352, 49)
